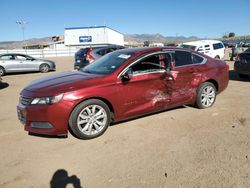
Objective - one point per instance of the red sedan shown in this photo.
(121, 85)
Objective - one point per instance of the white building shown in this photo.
(88, 36)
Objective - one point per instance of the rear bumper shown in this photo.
(242, 68)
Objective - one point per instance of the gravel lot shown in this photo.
(183, 147)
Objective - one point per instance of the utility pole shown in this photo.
(22, 25)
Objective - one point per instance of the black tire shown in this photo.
(243, 75)
(44, 68)
(2, 71)
(79, 113)
(203, 98)
(217, 57)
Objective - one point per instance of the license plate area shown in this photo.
(21, 115)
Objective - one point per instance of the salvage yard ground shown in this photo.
(184, 147)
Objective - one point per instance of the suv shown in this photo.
(84, 56)
(212, 48)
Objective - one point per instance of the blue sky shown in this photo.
(210, 18)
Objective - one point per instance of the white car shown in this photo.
(212, 48)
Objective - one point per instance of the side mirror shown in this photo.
(127, 75)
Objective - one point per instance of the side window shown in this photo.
(182, 58)
(218, 46)
(197, 59)
(19, 57)
(7, 57)
(147, 65)
(201, 49)
(101, 52)
(110, 50)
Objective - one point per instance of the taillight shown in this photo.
(237, 57)
(89, 57)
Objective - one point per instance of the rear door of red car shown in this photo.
(187, 77)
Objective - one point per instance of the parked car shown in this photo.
(242, 64)
(23, 63)
(120, 85)
(212, 48)
(85, 56)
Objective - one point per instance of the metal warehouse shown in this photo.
(88, 36)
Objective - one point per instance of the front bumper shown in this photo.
(45, 119)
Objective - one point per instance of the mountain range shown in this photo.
(131, 39)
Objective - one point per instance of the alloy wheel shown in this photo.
(208, 96)
(92, 119)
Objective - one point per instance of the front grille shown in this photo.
(25, 100)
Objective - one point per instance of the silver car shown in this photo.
(23, 63)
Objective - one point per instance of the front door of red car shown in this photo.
(146, 91)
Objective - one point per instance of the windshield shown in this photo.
(108, 63)
(188, 46)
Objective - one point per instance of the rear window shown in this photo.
(188, 46)
(218, 45)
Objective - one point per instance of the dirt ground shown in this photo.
(184, 147)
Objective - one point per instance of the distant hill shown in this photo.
(19, 44)
(133, 39)
(136, 38)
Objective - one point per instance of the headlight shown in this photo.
(47, 100)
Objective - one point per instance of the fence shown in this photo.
(41, 53)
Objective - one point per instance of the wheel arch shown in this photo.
(213, 82)
(107, 102)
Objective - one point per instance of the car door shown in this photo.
(8, 62)
(184, 73)
(25, 62)
(146, 91)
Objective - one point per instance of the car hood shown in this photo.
(62, 82)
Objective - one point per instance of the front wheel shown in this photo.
(206, 95)
(90, 119)
(44, 68)
(2, 71)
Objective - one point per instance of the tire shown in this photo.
(44, 68)
(206, 95)
(90, 119)
(217, 57)
(243, 75)
(2, 71)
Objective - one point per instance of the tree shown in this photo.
(231, 34)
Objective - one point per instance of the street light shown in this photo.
(22, 25)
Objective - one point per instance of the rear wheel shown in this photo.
(44, 68)
(2, 71)
(206, 95)
(217, 57)
(90, 119)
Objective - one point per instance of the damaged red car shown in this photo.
(121, 85)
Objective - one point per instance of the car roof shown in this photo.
(151, 49)
(201, 42)
(13, 54)
(103, 47)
